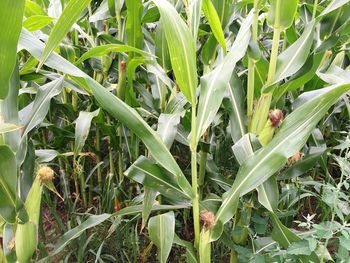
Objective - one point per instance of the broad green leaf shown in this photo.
(46, 156)
(32, 8)
(109, 48)
(130, 118)
(41, 104)
(149, 199)
(286, 12)
(117, 108)
(154, 177)
(167, 127)
(214, 84)
(82, 129)
(235, 105)
(306, 73)
(302, 166)
(101, 12)
(268, 191)
(294, 57)
(290, 138)
(37, 22)
(181, 48)
(161, 231)
(195, 9)
(34, 46)
(335, 4)
(214, 22)
(134, 35)
(9, 111)
(161, 49)
(225, 9)
(8, 183)
(11, 15)
(65, 22)
(137, 209)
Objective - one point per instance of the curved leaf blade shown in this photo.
(161, 230)
(11, 15)
(65, 22)
(214, 84)
(214, 22)
(291, 137)
(8, 182)
(181, 48)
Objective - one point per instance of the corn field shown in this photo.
(174, 131)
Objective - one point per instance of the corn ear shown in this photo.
(26, 238)
(204, 246)
(26, 241)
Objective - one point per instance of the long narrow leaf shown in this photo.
(214, 84)
(292, 135)
(181, 48)
(11, 15)
(68, 17)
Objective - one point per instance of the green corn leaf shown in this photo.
(161, 230)
(9, 111)
(195, 15)
(82, 129)
(8, 182)
(214, 22)
(148, 201)
(32, 8)
(134, 35)
(214, 84)
(11, 15)
(294, 57)
(162, 51)
(65, 22)
(117, 108)
(286, 12)
(130, 118)
(106, 49)
(235, 105)
(291, 137)
(305, 74)
(41, 104)
(37, 22)
(154, 177)
(181, 48)
(334, 5)
(137, 209)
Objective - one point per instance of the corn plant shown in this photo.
(133, 105)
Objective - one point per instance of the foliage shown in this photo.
(176, 130)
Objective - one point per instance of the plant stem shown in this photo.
(195, 200)
(98, 159)
(121, 94)
(260, 116)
